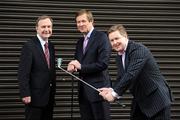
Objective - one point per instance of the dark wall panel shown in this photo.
(155, 23)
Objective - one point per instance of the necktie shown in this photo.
(121, 62)
(120, 65)
(122, 58)
(85, 44)
(46, 52)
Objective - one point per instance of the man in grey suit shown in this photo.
(36, 73)
(138, 72)
(91, 61)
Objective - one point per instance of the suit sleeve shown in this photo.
(24, 71)
(137, 59)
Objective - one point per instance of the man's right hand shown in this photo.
(71, 67)
(26, 100)
(106, 93)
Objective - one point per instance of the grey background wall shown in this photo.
(155, 23)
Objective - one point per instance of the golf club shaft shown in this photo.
(78, 79)
(123, 105)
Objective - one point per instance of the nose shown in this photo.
(46, 29)
(80, 23)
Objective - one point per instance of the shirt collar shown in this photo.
(89, 33)
(41, 40)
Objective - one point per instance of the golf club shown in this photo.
(59, 62)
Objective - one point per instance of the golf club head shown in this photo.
(59, 62)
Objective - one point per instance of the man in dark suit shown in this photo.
(36, 73)
(138, 72)
(91, 61)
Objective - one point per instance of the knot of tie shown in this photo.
(46, 45)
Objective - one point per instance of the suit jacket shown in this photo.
(94, 64)
(35, 78)
(144, 79)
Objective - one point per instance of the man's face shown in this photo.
(44, 28)
(83, 24)
(118, 42)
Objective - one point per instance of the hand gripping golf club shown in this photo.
(59, 66)
(59, 62)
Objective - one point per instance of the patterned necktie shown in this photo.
(46, 52)
(85, 44)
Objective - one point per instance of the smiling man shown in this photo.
(91, 61)
(36, 73)
(138, 72)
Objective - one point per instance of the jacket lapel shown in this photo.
(80, 49)
(51, 54)
(40, 50)
(90, 41)
(127, 53)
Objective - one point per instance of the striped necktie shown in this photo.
(46, 52)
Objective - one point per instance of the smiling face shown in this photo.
(44, 28)
(118, 41)
(83, 24)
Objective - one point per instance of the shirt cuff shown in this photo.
(114, 94)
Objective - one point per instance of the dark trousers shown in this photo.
(164, 114)
(99, 110)
(93, 110)
(39, 113)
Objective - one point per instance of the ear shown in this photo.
(36, 28)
